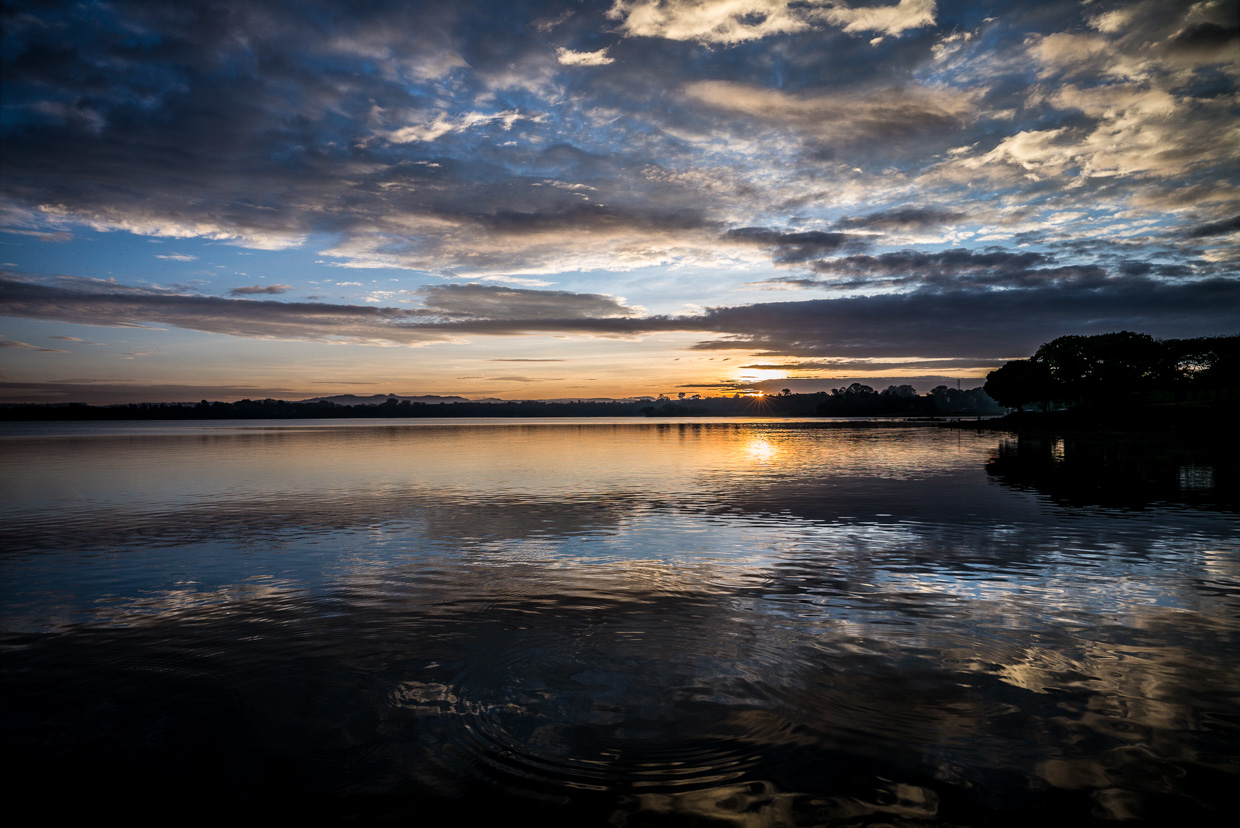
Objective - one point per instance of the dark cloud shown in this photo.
(956, 324)
(1214, 228)
(901, 219)
(1206, 39)
(988, 268)
(587, 218)
(790, 248)
(1161, 269)
(983, 324)
(259, 290)
(964, 364)
(448, 311)
(474, 301)
(113, 393)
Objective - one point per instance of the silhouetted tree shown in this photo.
(1107, 368)
(1019, 383)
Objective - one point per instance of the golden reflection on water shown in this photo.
(761, 449)
(544, 458)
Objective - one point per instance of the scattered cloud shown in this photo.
(912, 159)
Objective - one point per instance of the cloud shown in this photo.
(258, 290)
(718, 138)
(570, 58)
(887, 20)
(1214, 228)
(448, 312)
(795, 247)
(728, 22)
(902, 219)
(891, 114)
(844, 364)
(503, 303)
(430, 128)
(731, 22)
(444, 139)
(94, 303)
(13, 343)
(964, 323)
(921, 323)
(112, 393)
(946, 269)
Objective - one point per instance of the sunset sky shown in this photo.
(602, 199)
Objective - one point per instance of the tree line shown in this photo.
(1119, 369)
(855, 400)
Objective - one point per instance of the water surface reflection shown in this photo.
(639, 624)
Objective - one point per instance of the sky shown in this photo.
(545, 200)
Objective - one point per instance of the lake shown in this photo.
(620, 622)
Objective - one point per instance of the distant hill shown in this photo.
(379, 399)
(436, 399)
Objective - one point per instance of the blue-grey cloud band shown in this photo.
(958, 324)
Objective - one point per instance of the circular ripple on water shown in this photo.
(594, 719)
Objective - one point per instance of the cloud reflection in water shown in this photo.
(756, 624)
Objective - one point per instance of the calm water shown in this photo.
(620, 623)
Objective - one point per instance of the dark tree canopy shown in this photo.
(1019, 383)
(1116, 369)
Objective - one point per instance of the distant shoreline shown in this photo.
(854, 401)
(1213, 419)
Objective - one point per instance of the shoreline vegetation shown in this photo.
(1117, 381)
(1123, 382)
(856, 400)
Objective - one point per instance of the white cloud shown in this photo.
(708, 21)
(1137, 131)
(888, 20)
(174, 229)
(442, 124)
(570, 58)
(737, 21)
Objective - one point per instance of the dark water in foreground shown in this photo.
(619, 624)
